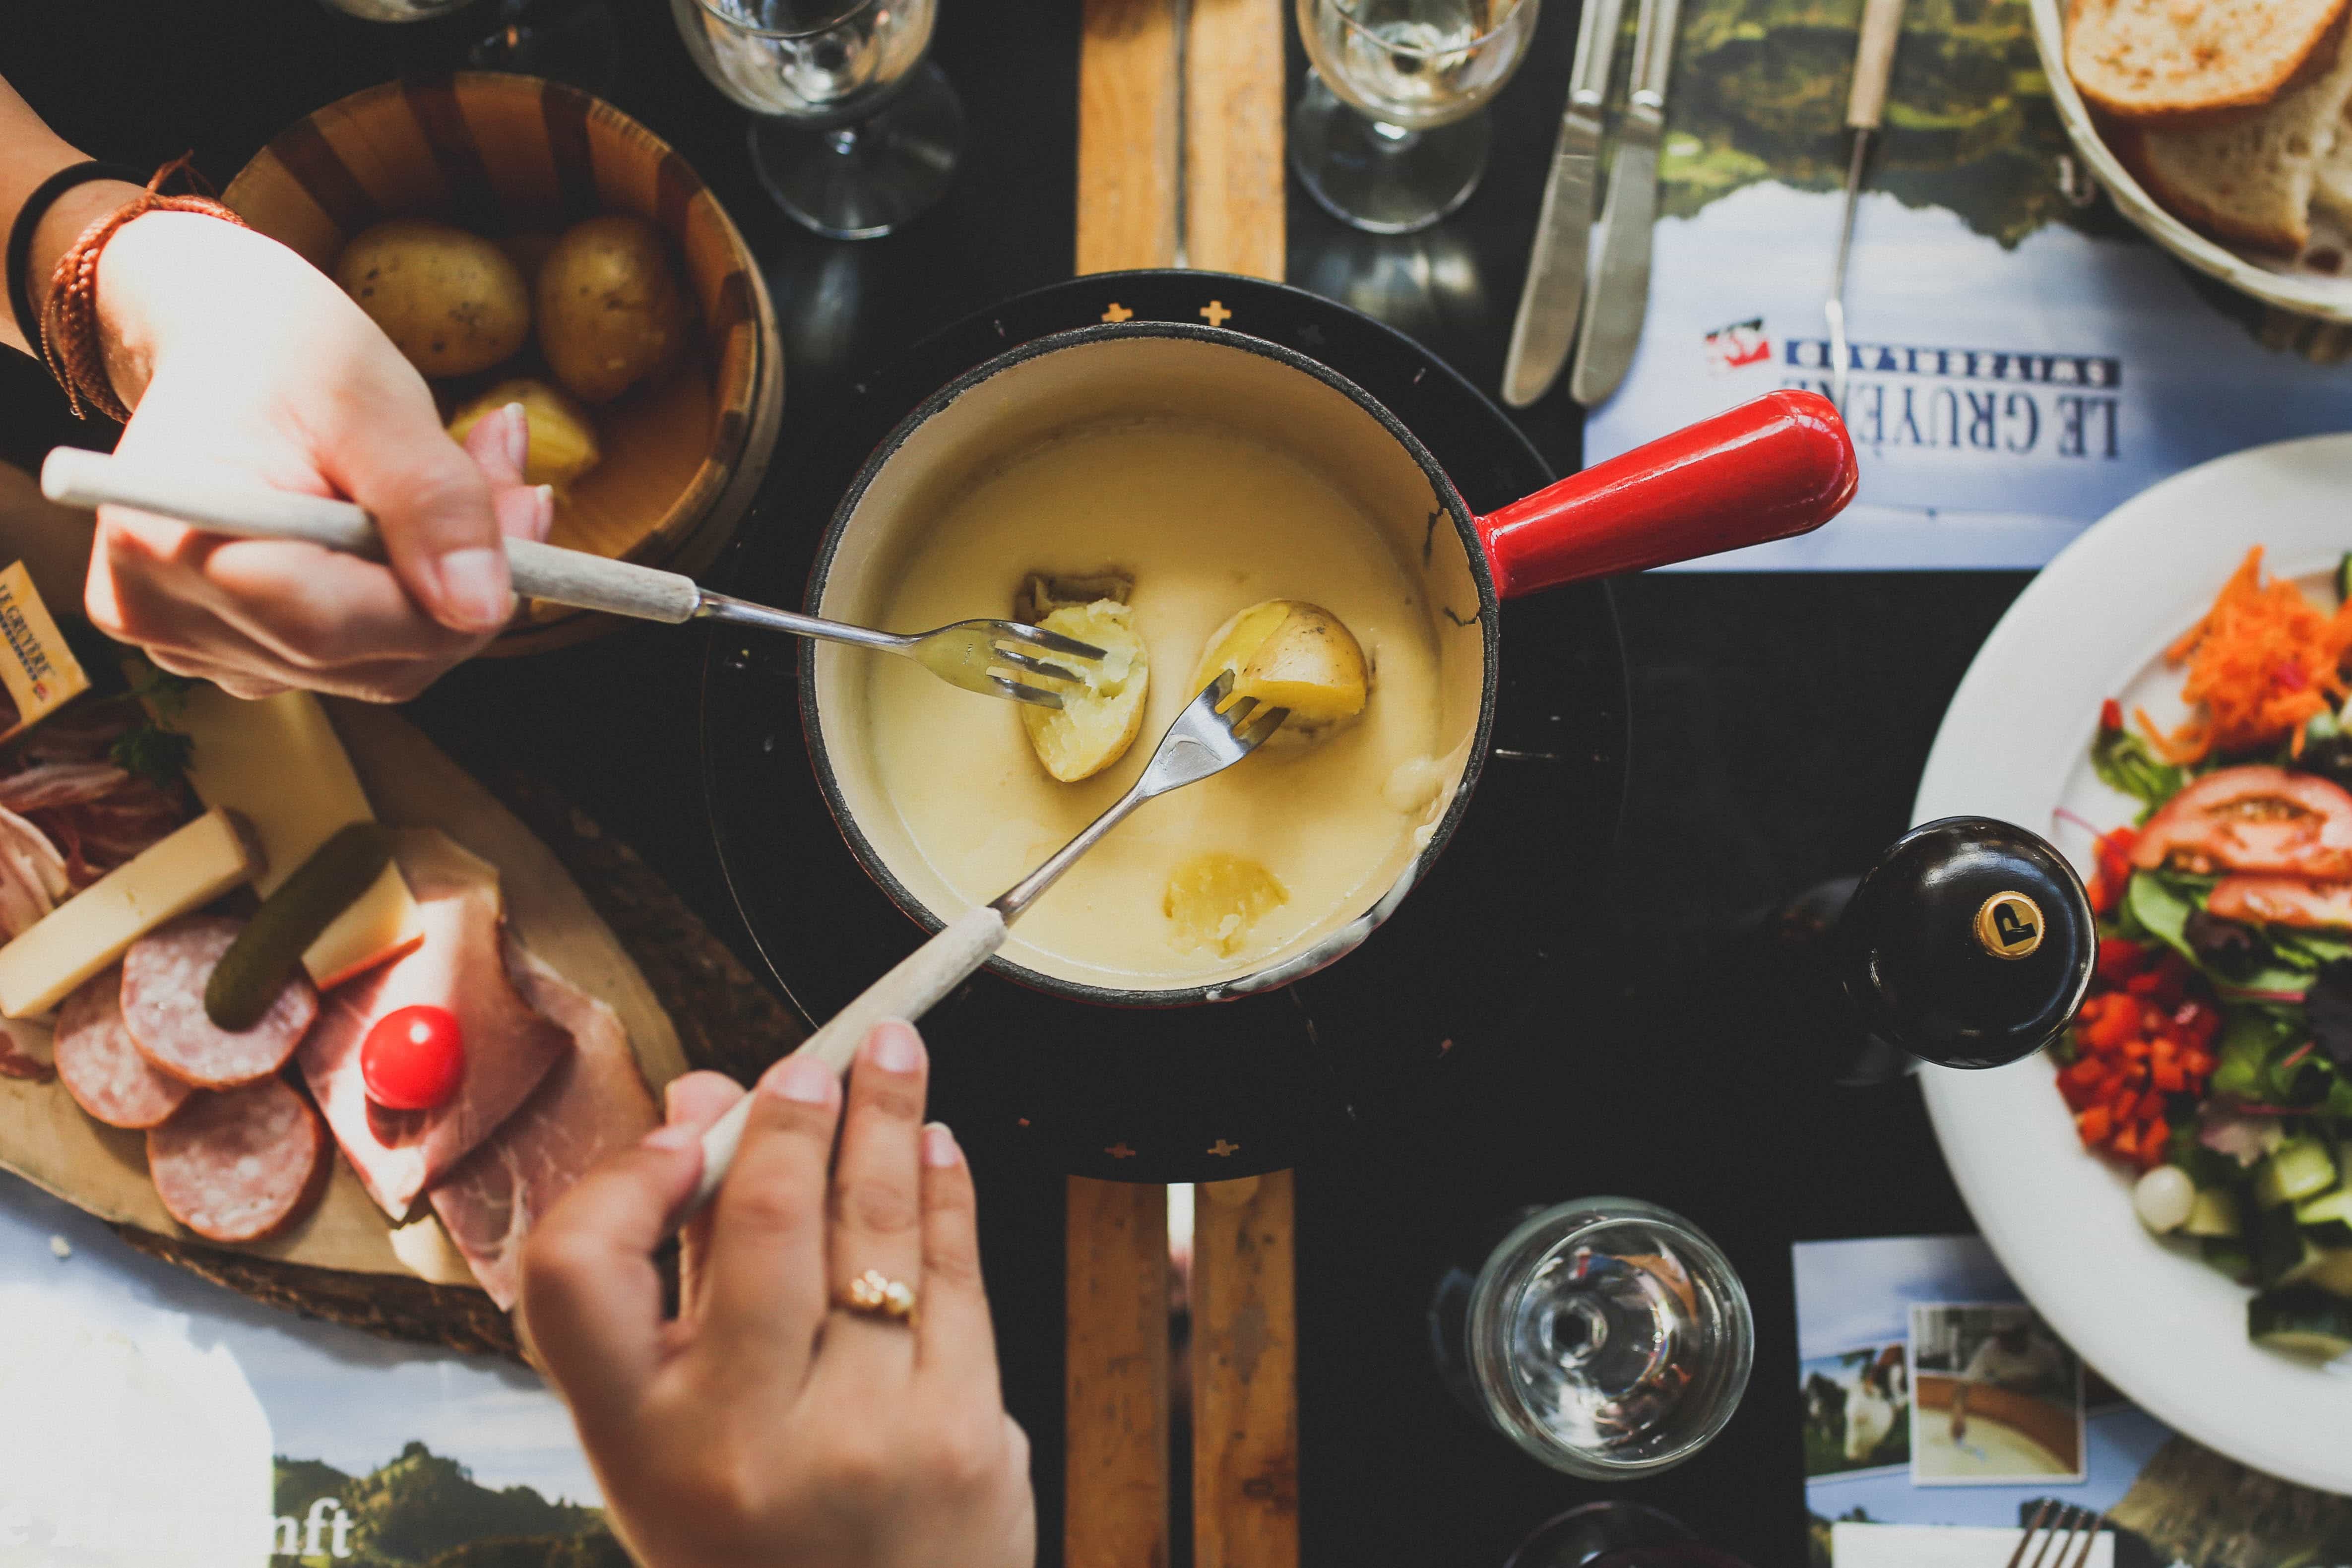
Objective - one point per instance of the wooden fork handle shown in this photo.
(221, 504)
(918, 983)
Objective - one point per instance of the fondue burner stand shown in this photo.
(1224, 1089)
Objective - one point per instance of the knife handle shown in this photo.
(1874, 63)
(1596, 46)
(1653, 55)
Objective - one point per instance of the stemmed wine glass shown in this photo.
(1606, 1337)
(854, 132)
(1388, 135)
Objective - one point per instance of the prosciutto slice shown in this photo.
(592, 1104)
(32, 875)
(461, 965)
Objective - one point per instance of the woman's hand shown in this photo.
(765, 1423)
(234, 352)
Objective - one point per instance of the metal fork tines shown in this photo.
(967, 654)
(2053, 1515)
(1203, 741)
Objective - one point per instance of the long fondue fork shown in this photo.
(962, 654)
(1200, 742)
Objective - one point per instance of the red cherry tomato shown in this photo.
(413, 1058)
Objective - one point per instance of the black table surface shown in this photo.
(1780, 723)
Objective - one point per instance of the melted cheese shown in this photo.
(1207, 522)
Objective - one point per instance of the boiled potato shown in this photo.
(1213, 899)
(1290, 655)
(1101, 711)
(610, 311)
(562, 437)
(450, 300)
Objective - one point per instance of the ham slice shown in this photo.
(592, 1104)
(460, 965)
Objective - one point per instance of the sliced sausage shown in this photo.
(99, 1066)
(163, 978)
(237, 1166)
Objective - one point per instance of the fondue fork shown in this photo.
(965, 654)
(1201, 742)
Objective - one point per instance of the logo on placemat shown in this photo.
(2009, 926)
(1742, 343)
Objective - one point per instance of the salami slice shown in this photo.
(99, 1066)
(235, 1166)
(163, 978)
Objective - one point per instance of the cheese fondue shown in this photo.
(1206, 522)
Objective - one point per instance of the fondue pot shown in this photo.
(1771, 468)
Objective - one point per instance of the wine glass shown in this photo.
(1388, 135)
(854, 132)
(1606, 1337)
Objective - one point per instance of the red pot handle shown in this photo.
(1779, 465)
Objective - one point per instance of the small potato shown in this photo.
(563, 437)
(1102, 712)
(450, 300)
(1290, 655)
(1213, 899)
(610, 310)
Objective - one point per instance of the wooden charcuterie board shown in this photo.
(344, 1260)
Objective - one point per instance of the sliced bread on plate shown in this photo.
(2331, 192)
(2249, 179)
(2159, 60)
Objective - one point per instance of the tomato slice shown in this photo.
(2283, 901)
(2255, 818)
(413, 1058)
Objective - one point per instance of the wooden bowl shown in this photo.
(508, 156)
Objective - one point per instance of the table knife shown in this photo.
(1545, 328)
(1616, 297)
(1865, 104)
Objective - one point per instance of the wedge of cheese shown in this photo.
(277, 762)
(195, 865)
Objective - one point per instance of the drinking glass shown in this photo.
(1388, 135)
(1607, 1337)
(1616, 1535)
(854, 132)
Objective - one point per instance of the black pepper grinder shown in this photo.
(1969, 944)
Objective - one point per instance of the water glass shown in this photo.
(853, 133)
(1388, 135)
(1606, 1337)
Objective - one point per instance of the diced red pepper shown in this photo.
(2119, 957)
(2111, 715)
(2095, 1124)
(2167, 1077)
(2125, 1142)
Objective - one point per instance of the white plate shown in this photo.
(2161, 1326)
(2276, 280)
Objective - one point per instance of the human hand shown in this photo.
(765, 1423)
(233, 351)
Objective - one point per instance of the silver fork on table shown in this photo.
(2079, 1521)
(965, 654)
(1200, 743)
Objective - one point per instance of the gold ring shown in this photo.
(873, 1295)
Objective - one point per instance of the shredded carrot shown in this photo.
(2261, 663)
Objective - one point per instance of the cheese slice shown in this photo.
(277, 762)
(188, 870)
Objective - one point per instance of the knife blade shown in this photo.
(1553, 296)
(1617, 296)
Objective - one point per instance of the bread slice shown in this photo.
(2331, 191)
(2159, 60)
(2249, 179)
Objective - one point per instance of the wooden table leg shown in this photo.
(1244, 1376)
(1115, 1509)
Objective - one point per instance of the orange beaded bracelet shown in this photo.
(72, 345)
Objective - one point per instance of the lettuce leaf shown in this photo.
(2125, 762)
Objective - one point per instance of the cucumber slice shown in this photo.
(2302, 1320)
(2283, 1253)
(2227, 1255)
(2215, 1213)
(2298, 1168)
(2328, 1216)
(2334, 1272)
